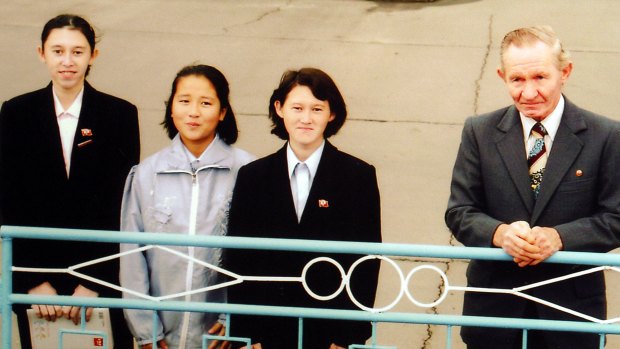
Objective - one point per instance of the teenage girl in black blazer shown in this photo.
(342, 204)
(65, 151)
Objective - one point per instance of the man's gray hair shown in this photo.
(530, 36)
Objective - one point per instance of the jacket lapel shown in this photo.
(566, 147)
(85, 133)
(49, 133)
(281, 184)
(321, 183)
(512, 150)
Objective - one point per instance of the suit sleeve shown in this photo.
(369, 212)
(366, 225)
(465, 215)
(12, 195)
(6, 156)
(600, 231)
(3, 149)
(127, 153)
(131, 139)
(2, 165)
(243, 222)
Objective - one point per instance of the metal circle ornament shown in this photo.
(387, 307)
(443, 295)
(328, 260)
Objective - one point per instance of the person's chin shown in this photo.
(533, 114)
(68, 83)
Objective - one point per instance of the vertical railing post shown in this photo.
(300, 334)
(155, 328)
(449, 337)
(373, 337)
(227, 324)
(7, 289)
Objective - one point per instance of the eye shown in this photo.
(296, 107)
(57, 51)
(183, 100)
(78, 53)
(206, 103)
(317, 109)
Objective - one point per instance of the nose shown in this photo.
(194, 110)
(305, 117)
(529, 91)
(67, 60)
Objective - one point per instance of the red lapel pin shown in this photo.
(323, 203)
(87, 132)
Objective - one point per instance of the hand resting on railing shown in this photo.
(527, 246)
(52, 312)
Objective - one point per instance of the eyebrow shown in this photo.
(63, 46)
(312, 103)
(188, 95)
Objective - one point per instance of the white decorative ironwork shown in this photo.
(344, 283)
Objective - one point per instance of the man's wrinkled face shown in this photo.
(533, 78)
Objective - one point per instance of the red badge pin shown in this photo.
(323, 203)
(87, 132)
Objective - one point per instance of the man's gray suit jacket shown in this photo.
(579, 197)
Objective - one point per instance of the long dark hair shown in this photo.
(227, 128)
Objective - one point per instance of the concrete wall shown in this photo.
(410, 72)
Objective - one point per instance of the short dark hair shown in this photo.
(322, 87)
(227, 128)
(74, 22)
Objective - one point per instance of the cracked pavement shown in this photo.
(411, 72)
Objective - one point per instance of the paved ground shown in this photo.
(410, 72)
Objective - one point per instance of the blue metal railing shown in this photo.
(7, 298)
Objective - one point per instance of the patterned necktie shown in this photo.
(537, 158)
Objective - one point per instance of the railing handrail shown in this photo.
(8, 233)
(320, 313)
(319, 246)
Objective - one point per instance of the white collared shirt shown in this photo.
(551, 124)
(67, 124)
(312, 162)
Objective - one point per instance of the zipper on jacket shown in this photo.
(193, 217)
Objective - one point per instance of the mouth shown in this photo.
(531, 105)
(67, 73)
(192, 124)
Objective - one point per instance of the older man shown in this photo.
(534, 178)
